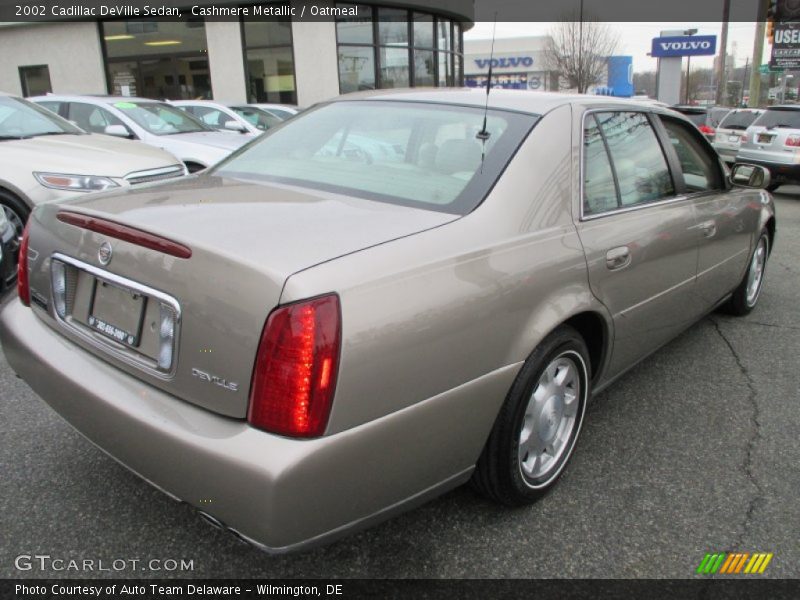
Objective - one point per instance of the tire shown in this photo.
(16, 211)
(746, 295)
(510, 470)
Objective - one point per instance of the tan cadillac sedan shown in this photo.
(385, 297)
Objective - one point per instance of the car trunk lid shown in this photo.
(245, 240)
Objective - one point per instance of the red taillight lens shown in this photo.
(743, 138)
(706, 129)
(296, 368)
(23, 287)
(793, 141)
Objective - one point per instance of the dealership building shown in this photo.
(242, 59)
(520, 63)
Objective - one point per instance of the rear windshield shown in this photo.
(422, 155)
(696, 118)
(785, 118)
(739, 119)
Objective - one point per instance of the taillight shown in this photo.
(23, 286)
(793, 141)
(706, 129)
(744, 138)
(296, 367)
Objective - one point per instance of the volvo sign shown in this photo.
(684, 45)
(504, 62)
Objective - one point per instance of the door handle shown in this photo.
(618, 258)
(709, 228)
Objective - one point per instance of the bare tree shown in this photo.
(578, 51)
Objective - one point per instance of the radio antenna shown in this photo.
(483, 134)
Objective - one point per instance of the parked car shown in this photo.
(731, 132)
(773, 141)
(706, 118)
(282, 111)
(230, 117)
(8, 253)
(154, 123)
(367, 336)
(45, 158)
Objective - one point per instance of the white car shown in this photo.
(249, 120)
(282, 111)
(150, 121)
(731, 132)
(44, 158)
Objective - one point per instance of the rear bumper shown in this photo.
(279, 493)
(779, 172)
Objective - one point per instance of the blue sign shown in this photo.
(684, 45)
(620, 76)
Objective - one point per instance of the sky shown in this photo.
(636, 39)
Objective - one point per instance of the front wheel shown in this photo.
(537, 428)
(745, 297)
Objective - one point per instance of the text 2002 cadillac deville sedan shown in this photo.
(386, 297)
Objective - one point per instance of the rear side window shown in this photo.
(785, 118)
(639, 169)
(699, 167)
(599, 189)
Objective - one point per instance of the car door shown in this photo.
(639, 234)
(725, 217)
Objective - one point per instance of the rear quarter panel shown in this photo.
(425, 314)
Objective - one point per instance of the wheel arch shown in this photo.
(596, 334)
(6, 187)
(770, 225)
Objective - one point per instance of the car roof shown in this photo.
(537, 103)
(784, 107)
(93, 99)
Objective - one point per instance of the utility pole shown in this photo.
(726, 14)
(744, 80)
(758, 49)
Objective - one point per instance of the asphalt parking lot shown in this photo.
(696, 450)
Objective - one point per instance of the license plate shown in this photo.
(733, 138)
(117, 313)
(764, 138)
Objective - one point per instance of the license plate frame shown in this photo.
(117, 313)
(764, 138)
(733, 138)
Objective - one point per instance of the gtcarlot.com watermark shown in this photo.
(48, 563)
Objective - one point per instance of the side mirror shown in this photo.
(750, 176)
(235, 126)
(117, 131)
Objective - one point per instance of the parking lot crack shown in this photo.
(755, 436)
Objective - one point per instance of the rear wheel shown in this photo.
(745, 297)
(537, 428)
(17, 212)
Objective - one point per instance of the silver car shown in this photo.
(773, 141)
(730, 133)
(240, 118)
(150, 122)
(366, 335)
